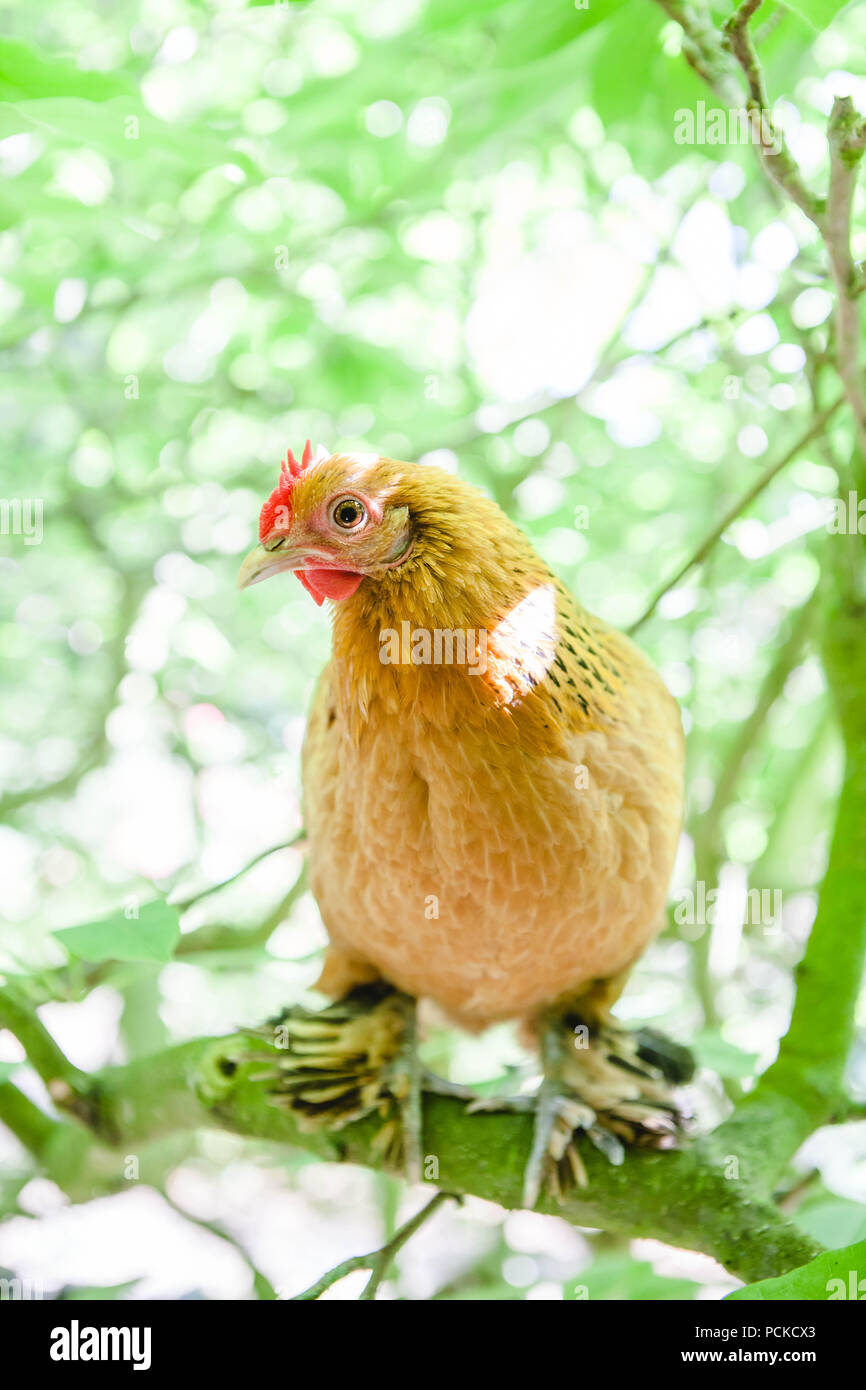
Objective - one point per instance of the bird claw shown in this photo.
(354, 1058)
(612, 1089)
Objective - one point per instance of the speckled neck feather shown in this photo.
(551, 668)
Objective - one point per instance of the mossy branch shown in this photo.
(699, 1198)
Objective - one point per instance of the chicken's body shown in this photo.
(491, 877)
(497, 833)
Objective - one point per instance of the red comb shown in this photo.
(280, 499)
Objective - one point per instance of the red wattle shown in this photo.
(325, 583)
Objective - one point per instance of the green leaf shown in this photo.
(151, 936)
(834, 1275)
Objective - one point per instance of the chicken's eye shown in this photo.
(349, 513)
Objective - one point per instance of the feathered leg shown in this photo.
(612, 1084)
(355, 1057)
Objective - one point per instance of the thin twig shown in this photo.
(717, 58)
(183, 904)
(703, 52)
(263, 1286)
(782, 169)
(846, 134)
(702, 551)
(378, 1261)
(216, 936)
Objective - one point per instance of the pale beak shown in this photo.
(261, 564)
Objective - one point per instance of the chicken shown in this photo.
(493, 789)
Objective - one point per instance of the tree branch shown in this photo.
(215, 1080)
(30, 1125)
(218, 1081)
(52, 1065)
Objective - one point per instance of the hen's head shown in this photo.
(409, 544)
(334, 522)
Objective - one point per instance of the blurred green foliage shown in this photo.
(431, 229)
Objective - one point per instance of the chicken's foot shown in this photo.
(354, 1058)
(610, 1083)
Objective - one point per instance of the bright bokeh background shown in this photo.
(461, 234)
